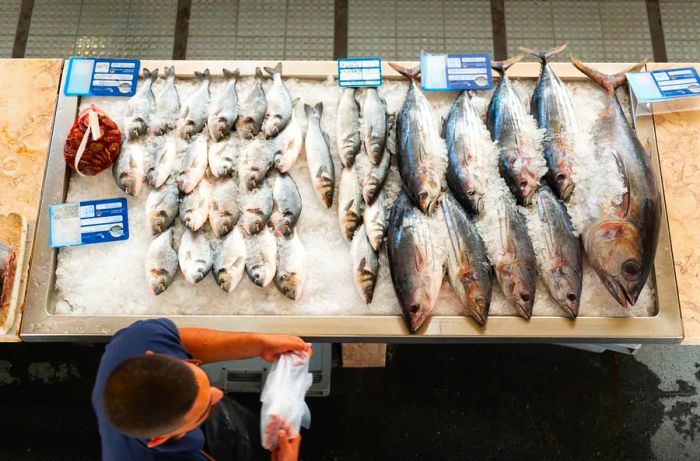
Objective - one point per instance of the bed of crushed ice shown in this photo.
(109, 278)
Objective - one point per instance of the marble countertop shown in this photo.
(27, 104)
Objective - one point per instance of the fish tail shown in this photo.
(258, 73)
(411, 74)
(309, 111)
(169, 72)
(146, 73)
(544, 55)
(502, 66)
(203, 76)
(607, 81)
(274, 70)
(232, 75)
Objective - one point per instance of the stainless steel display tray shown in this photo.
(40, 323)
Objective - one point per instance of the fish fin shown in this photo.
(319, 109)
(411, 74)
(199, 75)
(544, 55)
(327, 138)
(274, 70)
(609, 82)
(231, 75)
(349, 205)
(308, 110)
(206, 75)
(502, 66)
(258, 73)
(295, 101)
(625, 205)
(146, 73)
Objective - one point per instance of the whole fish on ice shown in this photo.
(290, 276)
(286, 205)
(621, 242)
(560, 262)
(223, 155)
(261, 257)
(193, 113)
(422, 155)
(194, 164)
(129, 170)
(195, 255)
(164, 161)
(223, 110)
(371, 176)
(465, 134)
(287, 145)
(167, 105)
(162, 207)
(376, 219)
(468, 266)
(350, 202)
(252, 109)
(224, 210)
(255, 162)
(374, 126)
(521, 162)
(279, 104)
(347, 127)
(256, 208)
(229, 261)
(318, 156)
(141, 107)
(552, 108)
(194, 207)
(365, 265)
(161, 263)
(415, 262)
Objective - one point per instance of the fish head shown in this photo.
(131, 182)
(563, 184)
(566, 287)
(528, 183)
(186, 130)
(475, 199)
(252, 223)
(158, 280)
(518, 285)
(273, 126)
(614, 249)
(349, 222)
(289, 283)
(247, 127)
(375, 151)
(478, 296)
(258, 274)
(325, 186)
(135, 127)
(429, 194)
(370, 188)
(224, 280)
(366, 279)
(197, 272)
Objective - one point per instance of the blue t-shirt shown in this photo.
(160, 336)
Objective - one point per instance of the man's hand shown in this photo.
(287, 450)
(274, 345)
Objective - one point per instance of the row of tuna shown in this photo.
(223, 162)
(507, 174)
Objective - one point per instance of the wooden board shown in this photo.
(27, 105)
(13, 232)
(678, 140)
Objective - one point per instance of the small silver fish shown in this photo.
(163, 162)
(287, 146)
(129, 170)
(194, 208)
(257, 208)
(223, 111)
(167, 105)
(224, 210)
(376, 219)
(195, 255)
(162, 207)
(261, 257)
(140, 109)
(252, 109)
(193, 113)
(194, 165)
(350, 203)
(161, 263)
(347, 127)
(287, 205)
(374, 127)
(290, 276)
(371, 176)
(255, 162)
(318, 156)
(229, 261)
(279, 104)
(365, 263)
(223, 155)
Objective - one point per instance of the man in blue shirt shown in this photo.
(154, 403)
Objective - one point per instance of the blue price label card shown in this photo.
(658, 85)
(360, 71)
(91, 221)
(101, 77)
(463, 71)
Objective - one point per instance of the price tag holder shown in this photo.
(90, 221)
(458, 71)
(101, 77)
(659, 85)
(356, 72)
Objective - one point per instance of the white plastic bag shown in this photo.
(283, 405)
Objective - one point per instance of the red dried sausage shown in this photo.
(99, 154)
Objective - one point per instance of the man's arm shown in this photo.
(214, 345)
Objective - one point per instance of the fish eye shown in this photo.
(631, 268)
(471, 192)
(571, 297)
(560, 177)
(523, 184)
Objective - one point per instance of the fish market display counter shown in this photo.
(87, 293)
